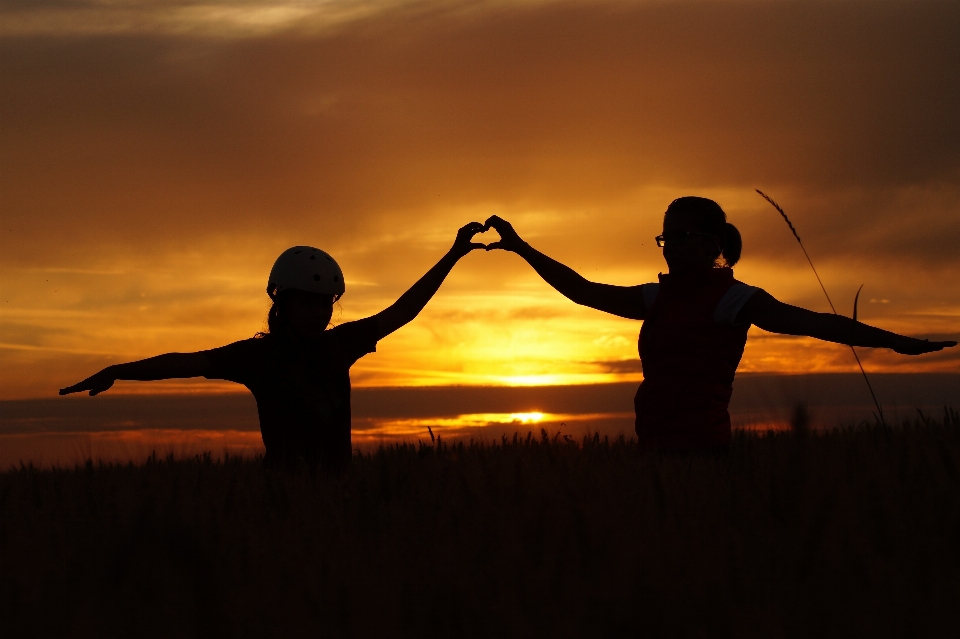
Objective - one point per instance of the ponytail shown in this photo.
(275, 324)
(731, 244)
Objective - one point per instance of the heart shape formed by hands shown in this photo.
(484, 234)
(508, 240)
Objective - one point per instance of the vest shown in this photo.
(689, 362)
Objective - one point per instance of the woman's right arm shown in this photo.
(624, 301)
(165, 366)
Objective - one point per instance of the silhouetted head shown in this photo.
(696, 235)
(300, 314)
(304, 283)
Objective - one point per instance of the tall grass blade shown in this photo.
(800, 242)
(827, 295)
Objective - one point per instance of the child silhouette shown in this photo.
(299, 370)
(695, 323)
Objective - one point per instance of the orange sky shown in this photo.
(155, 157)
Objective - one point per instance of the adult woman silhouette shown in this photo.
(299, 370)
(695, 323)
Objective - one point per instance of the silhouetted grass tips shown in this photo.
(850, 533)
(827, 295)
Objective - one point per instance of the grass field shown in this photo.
(853, 532)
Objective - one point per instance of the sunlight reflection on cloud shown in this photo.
(226, 18)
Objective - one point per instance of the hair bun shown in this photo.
(732, 244)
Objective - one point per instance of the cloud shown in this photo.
(620, 366)
(206, 18)
(563, 105)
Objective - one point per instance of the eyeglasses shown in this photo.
(679, 237)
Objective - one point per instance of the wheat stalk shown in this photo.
(827, 295)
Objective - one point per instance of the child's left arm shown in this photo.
(412, 302)
(770, 314)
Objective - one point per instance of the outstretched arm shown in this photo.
(775, 316)
(625, 301)
(412, 302)
(160, 367)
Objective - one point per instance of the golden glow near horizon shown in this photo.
(485, 426)
(471, 421)
(148, 186)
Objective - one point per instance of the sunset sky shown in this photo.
(156, 156)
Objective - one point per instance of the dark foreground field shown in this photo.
(852, 533)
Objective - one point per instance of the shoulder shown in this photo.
(363, 326)
(649, 293)
(234, 361)
(732, 302)
(360, 335)
(742, 288)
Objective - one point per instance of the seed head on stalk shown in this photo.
(827, 295)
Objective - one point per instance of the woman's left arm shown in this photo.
(763, 310)
(412, 302)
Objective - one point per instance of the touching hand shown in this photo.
(95, 384)
(464, 242)
(911, 346)
(509, 240)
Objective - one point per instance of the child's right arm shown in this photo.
(624, 301)
(165, 366)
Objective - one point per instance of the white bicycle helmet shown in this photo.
(305, 268)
